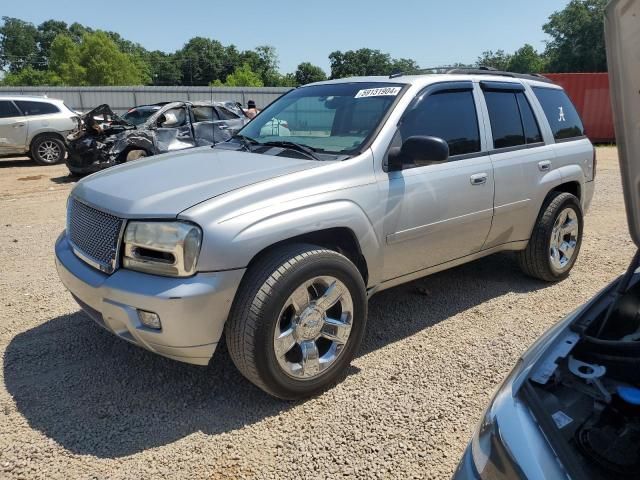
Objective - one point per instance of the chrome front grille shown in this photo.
(94, 235)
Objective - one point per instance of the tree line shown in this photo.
(55, 53)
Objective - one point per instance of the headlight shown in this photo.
(162, 248)
(487, 448)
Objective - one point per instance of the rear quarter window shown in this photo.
(36, 108)
(562, 115)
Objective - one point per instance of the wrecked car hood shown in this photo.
(165, 185)
(622, 33)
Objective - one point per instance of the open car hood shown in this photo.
(622, 34)
(105, 111)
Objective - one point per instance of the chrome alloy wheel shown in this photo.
(49, 151)
(313, 327)
(564, 239)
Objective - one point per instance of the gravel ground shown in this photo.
(76, 402)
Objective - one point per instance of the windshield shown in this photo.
(138, 115)
(334, 118)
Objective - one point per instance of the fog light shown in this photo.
(149, 319)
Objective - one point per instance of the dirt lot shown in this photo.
(76, 402)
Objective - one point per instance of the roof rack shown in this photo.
(482, 70)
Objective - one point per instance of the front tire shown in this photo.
(556, 239)
(48, 150)
(297, 320)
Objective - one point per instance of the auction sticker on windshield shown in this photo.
(378, 92)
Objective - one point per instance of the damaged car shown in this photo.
(105, 138)
(571, 406)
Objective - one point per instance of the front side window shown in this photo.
(36, 108)
(450, 115)
(562, 115)
(173, 118)
(8, 109)
(226, 114)
(334, 118)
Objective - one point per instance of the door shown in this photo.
(207, 126)
(439, 212)
(174, 131)
(13, 129)
(520, 159)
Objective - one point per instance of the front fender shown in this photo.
(234, 242)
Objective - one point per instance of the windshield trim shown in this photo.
(366, 143)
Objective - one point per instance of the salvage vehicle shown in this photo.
(36, 126)
(571, 406)
(279, 241)
(106, 139)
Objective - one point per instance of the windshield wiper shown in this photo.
(310, 151)
(246, 141)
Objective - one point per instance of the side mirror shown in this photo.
(418, 150)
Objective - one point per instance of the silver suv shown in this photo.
(278, 237)
(37, 126)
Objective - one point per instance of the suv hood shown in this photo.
(165, 185)
(622, 34)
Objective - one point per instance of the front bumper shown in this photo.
(192, 310)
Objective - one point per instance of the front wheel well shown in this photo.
(339, 239)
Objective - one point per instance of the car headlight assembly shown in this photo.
(162, 248)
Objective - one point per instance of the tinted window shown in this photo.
(448, 115)
(36, 108)
(8, 109)
(560, 112)
(506, 126)
(204, 114)
(531, 129)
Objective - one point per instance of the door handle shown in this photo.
(478, 179)
(544, 166)
(17, 125)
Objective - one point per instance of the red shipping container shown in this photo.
(589, 92)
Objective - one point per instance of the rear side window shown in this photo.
(562, 115)
(512, 120)
(449, 115)
(531, 129)
(504, 114)
(36, 108)
(8, 109)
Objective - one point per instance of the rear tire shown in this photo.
(284, 340)
(47, 150)
(556, 239)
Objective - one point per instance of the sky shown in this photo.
(434, 33)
